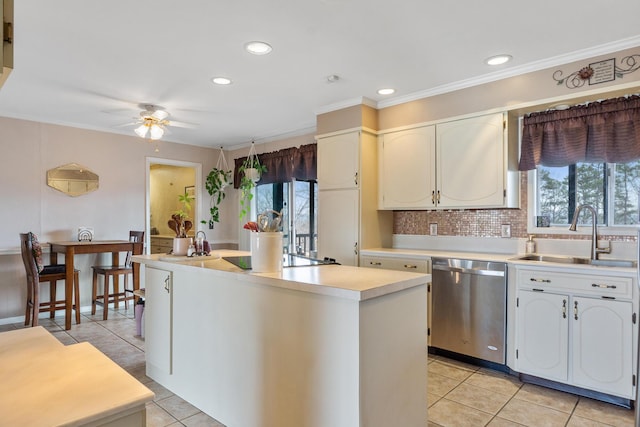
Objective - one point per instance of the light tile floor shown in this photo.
(464, 395)
(458, 394)
(116, 338)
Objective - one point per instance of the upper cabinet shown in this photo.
(339, 164)
(6, 31)
(453, 165)
(407, 174)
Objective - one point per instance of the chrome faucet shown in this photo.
(595, 250)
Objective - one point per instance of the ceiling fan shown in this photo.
(153, 121)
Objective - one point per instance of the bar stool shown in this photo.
(38, 273)
(108, 271)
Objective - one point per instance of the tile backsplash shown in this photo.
(478, 222)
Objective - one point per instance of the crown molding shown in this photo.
(363, 100)
(555, 61)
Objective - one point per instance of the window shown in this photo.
(298, 201)
(613, 189)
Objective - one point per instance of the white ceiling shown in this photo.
(89, 64)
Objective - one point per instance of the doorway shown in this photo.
(167, 179)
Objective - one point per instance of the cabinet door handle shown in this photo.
(375, 263)
(355, 248)
(433, 197)
(533, 279)
(438, 198)
(355, 178)
(564, 308)
(603, 285)
(410, 266)
(166, 284)
(575, 310)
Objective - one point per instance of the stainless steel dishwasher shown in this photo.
(469, 300)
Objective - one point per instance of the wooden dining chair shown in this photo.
(108, 271)
(38, 273)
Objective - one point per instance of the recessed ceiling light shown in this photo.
(258, 48)
(386, 91)
(333, 78)
(221, 80)
(498, 59)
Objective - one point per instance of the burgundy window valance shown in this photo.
(284, 165)
(605, 131)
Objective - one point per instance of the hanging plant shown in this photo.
(250, 172)
(215, 183)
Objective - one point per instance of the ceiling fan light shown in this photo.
(156, 132)
(141, 130)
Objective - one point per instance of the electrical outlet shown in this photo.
(433, 229)
(505, 231)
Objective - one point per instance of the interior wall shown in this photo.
(29, 150)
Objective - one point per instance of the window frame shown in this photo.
(532, 208)
(290, 203)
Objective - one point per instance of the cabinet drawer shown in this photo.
(414, 265)
(606, 286)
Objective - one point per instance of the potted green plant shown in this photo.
(215, 183)
(250, 172)
(181, 225)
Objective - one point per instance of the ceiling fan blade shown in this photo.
(159, 114)
(182, 124)
(123, 125)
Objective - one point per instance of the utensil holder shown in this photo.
(266, 252)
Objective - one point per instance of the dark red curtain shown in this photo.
(284, 165)
(605, 131)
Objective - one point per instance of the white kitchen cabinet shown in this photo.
(467, 163)
(602, 349)
(543, 330)
(339, 161)
(576, 329)
(158, 314)
(411, 265)
(407, 171)
(338, 225)
(471, 162)
(348, 219)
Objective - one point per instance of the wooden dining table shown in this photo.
(72, 248)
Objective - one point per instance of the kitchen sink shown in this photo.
(576, 260)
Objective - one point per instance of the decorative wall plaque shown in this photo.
(599, 72)
(603, 71)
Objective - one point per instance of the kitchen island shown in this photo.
(325, 345)
(45, 383)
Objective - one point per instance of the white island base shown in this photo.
(293, 348)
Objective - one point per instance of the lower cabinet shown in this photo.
(412, 265)
(584, 341)
(158, 314)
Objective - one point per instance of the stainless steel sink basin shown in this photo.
(576, 260)
(614, 263)
(553, 258)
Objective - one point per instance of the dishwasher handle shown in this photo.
(476, 271)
